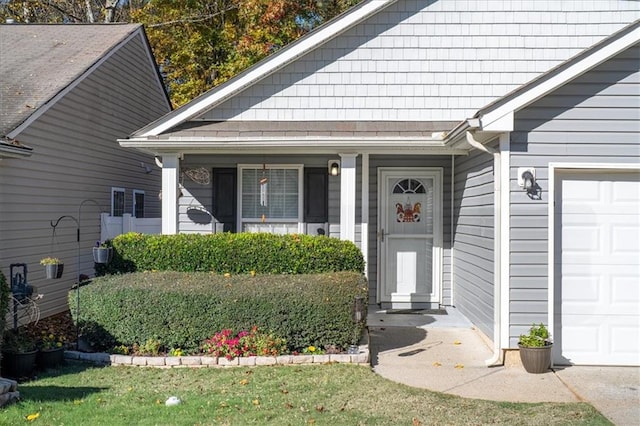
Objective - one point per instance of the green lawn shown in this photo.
(335, 394)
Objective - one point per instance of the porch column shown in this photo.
(348, 197)
(364, 212)
(170, 173)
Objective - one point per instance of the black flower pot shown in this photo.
(536, 360)
(50, 358)
(18, 365)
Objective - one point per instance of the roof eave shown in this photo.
(291, 145)
(11, 151)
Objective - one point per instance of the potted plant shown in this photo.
(19, 352)
(53, 267)
(102, 253)
(535, 349)
(51, 350)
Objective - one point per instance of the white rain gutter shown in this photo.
(497, 358)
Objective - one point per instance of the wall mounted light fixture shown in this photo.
(527, 178)
(334, 167)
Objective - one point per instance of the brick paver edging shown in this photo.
(361, 358)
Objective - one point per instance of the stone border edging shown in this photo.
(362, 357)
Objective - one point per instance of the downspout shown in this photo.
(451, 233)
(496, 358)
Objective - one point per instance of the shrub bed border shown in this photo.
(200, 361)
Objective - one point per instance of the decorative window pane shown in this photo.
(276, 199)
(117, 201)
(409, 186)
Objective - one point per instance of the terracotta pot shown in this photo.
(536, 360)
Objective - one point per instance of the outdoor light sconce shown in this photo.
(334, 167)
(527, 178)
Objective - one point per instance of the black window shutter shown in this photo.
(316, 195)
(224, 197)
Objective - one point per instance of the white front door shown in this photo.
(597, 313)
(410, 243)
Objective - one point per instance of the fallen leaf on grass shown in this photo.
(256, 402)
(32, 417)
(288, 406)
(319, 408)
(436, 364)
(244, 382)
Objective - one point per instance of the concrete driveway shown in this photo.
(445, 353)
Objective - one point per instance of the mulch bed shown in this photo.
(59, 325)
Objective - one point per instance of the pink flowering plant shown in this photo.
(246, 343)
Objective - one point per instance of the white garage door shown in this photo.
(597, 268)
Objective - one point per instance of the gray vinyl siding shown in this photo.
(594, 119)
(76, 157)
(473, 246)
(428, 60)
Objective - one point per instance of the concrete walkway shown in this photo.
(445, 353)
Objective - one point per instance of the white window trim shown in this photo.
(134, 204)
(124, 199)
(299, 220)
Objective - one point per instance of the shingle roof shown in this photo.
(38, 61)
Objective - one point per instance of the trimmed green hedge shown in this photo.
(183, 309)
(233, 253)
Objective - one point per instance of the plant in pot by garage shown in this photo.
(19, 353)
(535, 349)
(102, 252)
(51, 350)
(53, 267)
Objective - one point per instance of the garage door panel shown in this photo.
(598, 268)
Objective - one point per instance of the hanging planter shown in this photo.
(52, 267)
(102, 254)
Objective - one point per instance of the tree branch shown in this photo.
(192, 19)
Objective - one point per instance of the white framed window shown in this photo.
(117, 201)
(270, 198)
(138, 203)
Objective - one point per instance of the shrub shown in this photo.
(183, 309)
(232, 253)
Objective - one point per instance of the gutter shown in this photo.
(10, 148)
